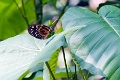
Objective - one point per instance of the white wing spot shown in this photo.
(31, 31)
(32, 26)
(36, 26)
(35, 33)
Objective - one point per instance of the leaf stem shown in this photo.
(62, 12)
(24, 12)
(38, 11)
(47, 64)
(65, 61)
(40, 15)
(83, 76)
(24, 17)
(75, 73)
(87, 75)
(35, 9)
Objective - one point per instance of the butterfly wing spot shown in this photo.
(37, 26)
(32, 27)
(36, 35)
(31, 31)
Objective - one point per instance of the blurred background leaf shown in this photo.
(115, 3)
(53, 2)
(12, 22)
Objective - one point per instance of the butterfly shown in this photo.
(39, 31)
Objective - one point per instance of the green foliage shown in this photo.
(59, 30)
(11, 20)
(23, 52)
(53, 2)
(61, 72)
(53, 64)
(53, 61)
(95, 47)
(93, 40)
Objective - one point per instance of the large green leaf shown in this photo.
(16, 54)
(11, 21)
(95, 47)
(23, 52)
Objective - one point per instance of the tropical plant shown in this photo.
(92, 38)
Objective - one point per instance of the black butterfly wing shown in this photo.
(33, 30)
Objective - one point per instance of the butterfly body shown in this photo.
(39, 31)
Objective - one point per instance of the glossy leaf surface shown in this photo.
(95, 47)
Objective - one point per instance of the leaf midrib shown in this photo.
(111, 26)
